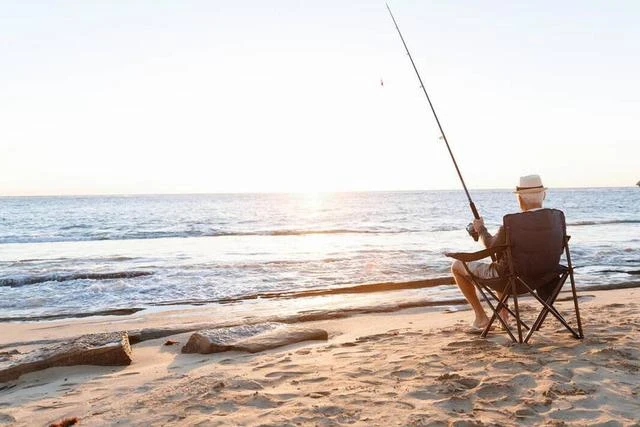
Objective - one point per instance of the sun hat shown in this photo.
(530, 184)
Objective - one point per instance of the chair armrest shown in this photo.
(475, 256)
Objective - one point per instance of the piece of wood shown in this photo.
(222, 339)
(280, 337)
(108, 349)
(251, 338)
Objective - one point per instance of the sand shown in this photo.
(412, 367)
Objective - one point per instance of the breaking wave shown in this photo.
(604, 222)
(17, 281)
(194, 233)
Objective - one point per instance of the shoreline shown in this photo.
(413, 366)
(369, 288)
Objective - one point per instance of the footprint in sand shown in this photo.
(225, 408)
(329, 411)
(243, 384)
(361, 372)
(610, 352)
(494, 391)
(524, 380)
(318, 394)
(314, 380)
(455, 404)
(395, 403)
(285, 374)
(404, 373)
(515, 365)
(203, 409)
(458, 381)
(261, 401)
(284, 397)
(534, 405)
(428, 393)
(569, 389)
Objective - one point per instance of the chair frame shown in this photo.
(510, 291)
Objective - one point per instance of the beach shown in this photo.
(247, 213)
(365, 272)
(417, 366)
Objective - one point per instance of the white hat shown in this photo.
(530, 184)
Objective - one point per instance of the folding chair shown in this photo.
(528, 264)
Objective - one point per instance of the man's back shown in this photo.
(536, 240)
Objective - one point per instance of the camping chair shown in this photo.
(528, 264)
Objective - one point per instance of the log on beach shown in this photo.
(250, 338)
(107, 349)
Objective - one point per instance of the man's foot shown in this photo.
(474, 330)
(478, 326)
(480, 322)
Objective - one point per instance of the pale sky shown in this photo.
(233, 96)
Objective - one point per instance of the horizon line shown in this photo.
(290, 192)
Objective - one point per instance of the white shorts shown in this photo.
(483, 270)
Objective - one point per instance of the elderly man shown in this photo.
(530, 194)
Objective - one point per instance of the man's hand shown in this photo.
(478, 224)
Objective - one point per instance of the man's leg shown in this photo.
(469, 291)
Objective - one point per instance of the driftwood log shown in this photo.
(250, 338)
(108, 349)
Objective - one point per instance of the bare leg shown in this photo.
(469, 291)
(504, 314)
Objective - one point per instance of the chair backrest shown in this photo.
(536, 239)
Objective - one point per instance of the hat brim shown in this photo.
(530, 190)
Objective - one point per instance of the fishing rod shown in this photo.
(470, 229)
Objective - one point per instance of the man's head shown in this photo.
(530, 192)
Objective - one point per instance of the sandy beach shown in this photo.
(412, 367)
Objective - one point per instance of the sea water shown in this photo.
(64, 256)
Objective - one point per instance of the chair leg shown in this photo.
(517, 310)
(573, 289)
(495, 313)
(552, 299)
(551, 309)
(502, 303)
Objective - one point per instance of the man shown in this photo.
(530, 194)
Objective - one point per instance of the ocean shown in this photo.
(69, 256)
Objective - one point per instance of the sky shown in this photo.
(127, 97)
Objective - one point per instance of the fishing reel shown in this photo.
(472, 232)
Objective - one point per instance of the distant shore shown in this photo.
(414, 366)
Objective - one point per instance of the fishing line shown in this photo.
(444, 137)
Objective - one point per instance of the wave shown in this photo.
(353, 289)
(302, 232)
(64, 277)
(75, 227)
(604, 222)
(105, 312)
(143, 235)
(621, 271)
(80, 233)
